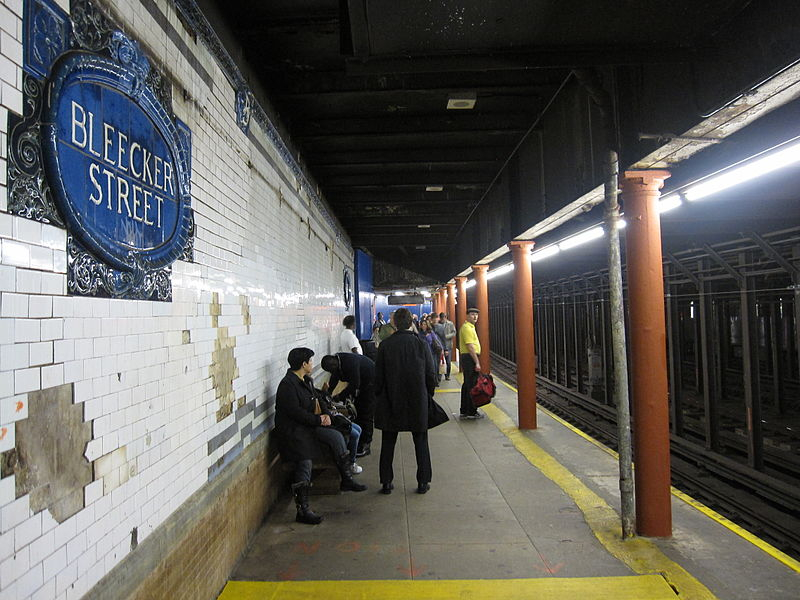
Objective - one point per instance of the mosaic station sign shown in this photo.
(110, 161)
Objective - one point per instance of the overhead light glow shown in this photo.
(470, 283)
(423, 226)
(434, 188)
(581, 238)
(462, 101)
(426, 293)
(667, 203)
(545, 252)
(500, 271)
(399, 294)
(772, 162)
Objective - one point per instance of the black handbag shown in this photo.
(436, 414)
(341, 424)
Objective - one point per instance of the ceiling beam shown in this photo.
(419, 179)
(450, 121)
(539, 58)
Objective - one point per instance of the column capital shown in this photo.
(480, 268)
(460, 278)
(645, 179)
(521, 245)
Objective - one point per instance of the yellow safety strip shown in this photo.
(651, 587)
(709, 512)
(640, 554)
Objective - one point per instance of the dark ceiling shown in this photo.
(361, 87)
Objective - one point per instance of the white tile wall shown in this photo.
(149, 395)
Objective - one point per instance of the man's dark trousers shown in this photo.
(365, 406)
(470, 379)
(421, 451)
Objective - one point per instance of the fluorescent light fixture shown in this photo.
(622, 224)
(423, 226)
(426, 293)
(398, 293)
(420, 247)
(736, 175)
(500, 271)
(581, 238)
(545, 252)
(667, 203)
(468, 284)
(434, 188)
(461, 101)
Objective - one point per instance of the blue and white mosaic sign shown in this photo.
(115, 161)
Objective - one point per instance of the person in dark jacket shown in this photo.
(404, 380)
(300, 425)
(358, 372)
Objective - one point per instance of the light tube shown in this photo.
(545, 252)
(667, 203)
(746, 172)
(581, 238)
(507, 268)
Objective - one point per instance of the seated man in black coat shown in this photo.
(358, 372)
(299, 425)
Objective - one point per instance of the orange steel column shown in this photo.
(451, 301)
(482, 304)
(523, 327)
(648, 351)
(461, 310)
(461, 305)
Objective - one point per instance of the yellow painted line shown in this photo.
(641, 587)
(771, 550)
(448, 391)
(640, 554)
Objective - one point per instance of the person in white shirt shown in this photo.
(348, 342)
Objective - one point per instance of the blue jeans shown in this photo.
(352, 445)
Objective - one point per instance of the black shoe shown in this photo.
(422, 488)
(350, 485)
(363, 451)
(304, 512)
(447, 377)
(387, 488)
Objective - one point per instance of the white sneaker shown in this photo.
(356, 469)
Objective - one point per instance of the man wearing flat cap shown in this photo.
(470, 348)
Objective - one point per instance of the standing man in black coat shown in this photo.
(300, 425)
(405, 377)
(358, 372)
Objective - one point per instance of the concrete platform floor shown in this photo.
(531, 511)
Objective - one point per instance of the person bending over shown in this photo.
(357, 371)
(300, 424)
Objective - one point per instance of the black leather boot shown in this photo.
(304, 513)
(346, 473)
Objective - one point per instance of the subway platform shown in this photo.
(510, 514)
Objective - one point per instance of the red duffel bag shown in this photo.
(483, 391)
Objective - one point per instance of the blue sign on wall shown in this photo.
(114, 161)
(98, 151)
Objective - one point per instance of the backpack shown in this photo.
(483, 391)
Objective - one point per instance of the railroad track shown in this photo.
(764, 505)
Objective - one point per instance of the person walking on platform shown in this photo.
(358, 372)
(446, 330)
(470, 347)
(348, 341)
(405, 378)
(300, 425)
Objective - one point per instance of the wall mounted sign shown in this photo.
(99, 151)
(347, 289)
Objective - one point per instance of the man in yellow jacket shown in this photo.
(470, 348)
